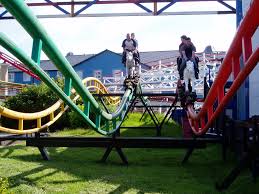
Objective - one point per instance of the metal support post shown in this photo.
(43, 150)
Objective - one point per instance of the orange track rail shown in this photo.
(241, 45)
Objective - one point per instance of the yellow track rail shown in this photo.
(54, 112)
(93, 83)
(11, 84)
(7, 88)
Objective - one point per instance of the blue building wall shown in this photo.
(105, 61)
(19, 77)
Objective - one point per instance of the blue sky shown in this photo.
(91, 35)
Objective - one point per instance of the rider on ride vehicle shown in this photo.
(137, 58)
(129, 44)
(179, 59)
(187, 51)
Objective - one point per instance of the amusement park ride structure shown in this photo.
(200, 121)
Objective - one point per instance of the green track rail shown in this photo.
(42, 41)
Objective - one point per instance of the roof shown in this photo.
(151, 58)
(73, 60)
(48, 65)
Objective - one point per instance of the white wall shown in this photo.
(4, 77)
(4, 72)
(254, 76)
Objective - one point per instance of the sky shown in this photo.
(89, 35)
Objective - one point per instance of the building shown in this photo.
(104, 64)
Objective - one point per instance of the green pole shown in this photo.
(36, 52)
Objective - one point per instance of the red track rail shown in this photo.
(241, 45)
(9, 60)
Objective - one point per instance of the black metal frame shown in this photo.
(118, 142)
(148, 108)
(250, 153)
(42, 149)
(123, 142)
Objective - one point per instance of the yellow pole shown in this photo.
(20, 125)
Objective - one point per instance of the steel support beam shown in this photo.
(166, 7)
(123, 142)
(73, 12)
(58, 7)
(85, 7)
(227, 5)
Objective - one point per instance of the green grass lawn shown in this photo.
(77, 170)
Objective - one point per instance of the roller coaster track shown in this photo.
(11, 61)
(217, 99)
(72, 81)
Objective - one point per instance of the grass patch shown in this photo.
(171, 128)
(77, 170)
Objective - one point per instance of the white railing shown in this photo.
(164, 79)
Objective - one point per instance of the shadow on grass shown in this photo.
(8, 150)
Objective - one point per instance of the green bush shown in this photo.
(32, 99)
(4, 184)
(76, 121)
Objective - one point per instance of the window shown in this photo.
(80, 74)
(98, 74)
(11, 77)
(26, 77)
(117, 74)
